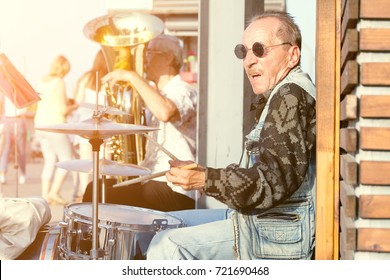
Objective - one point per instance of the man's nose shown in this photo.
(250, 59)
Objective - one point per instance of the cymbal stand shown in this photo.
(95, 252)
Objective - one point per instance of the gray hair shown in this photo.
(172, 45)
(288, 31)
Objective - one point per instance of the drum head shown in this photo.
(121, 214)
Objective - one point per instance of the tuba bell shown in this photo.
(123, 37)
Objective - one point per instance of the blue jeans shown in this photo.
(207, 235)
(285, 232)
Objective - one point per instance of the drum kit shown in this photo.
(99, 230)
(102, 230)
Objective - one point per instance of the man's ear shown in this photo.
(294, 56)
(170, 58)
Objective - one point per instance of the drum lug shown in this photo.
(63, 224)
(111, 243)
(54, 230)
(159, 223)
(110, 247)
(97, 254)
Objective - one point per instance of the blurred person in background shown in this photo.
(53, 108)
(14, 131)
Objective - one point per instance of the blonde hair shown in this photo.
(59, 67)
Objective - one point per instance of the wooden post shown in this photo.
(328, 99)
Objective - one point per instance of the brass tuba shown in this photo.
(123, 37)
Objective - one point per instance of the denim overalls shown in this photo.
(286, 231)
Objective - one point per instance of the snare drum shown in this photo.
(124, 232)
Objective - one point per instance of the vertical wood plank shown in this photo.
(336, 151)
(327, 69)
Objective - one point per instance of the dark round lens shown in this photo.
(258, 49)
(240, 51)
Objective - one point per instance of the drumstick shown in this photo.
(168, 153)
(151, 176)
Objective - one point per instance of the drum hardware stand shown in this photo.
(95, 252)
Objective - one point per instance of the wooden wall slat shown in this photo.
(349, 77)
(373, 239)
(375, 106)
(374, 206)
(374, 39)
(350, 46)
(348, 255)
(375, 138)
(343, 5)
(348, 108)
(348, 199)
(375, 73)
(355, 135)
(348, 139)
(374, 172)
(350, 16)
(374, 9)
(348, 169)
(348, 229)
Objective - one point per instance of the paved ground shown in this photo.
(32, 187)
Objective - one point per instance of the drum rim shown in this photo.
(88, 219)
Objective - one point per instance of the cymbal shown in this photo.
(106, 167)
(96, 128)
(106, 109)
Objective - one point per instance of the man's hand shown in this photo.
(188, 179)
(118, 75)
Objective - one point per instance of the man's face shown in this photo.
(155, 62)
(266, 71)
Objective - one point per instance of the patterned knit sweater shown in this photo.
(285, 143)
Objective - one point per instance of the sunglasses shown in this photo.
(258, 49)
